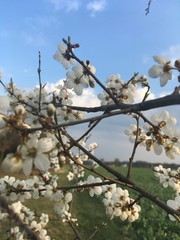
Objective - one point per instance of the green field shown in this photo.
(153, 223)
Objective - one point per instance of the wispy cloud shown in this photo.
(40, 22)
(88, 99)
(34, 39)
(68, 5)
(96, 6)
(173, 52)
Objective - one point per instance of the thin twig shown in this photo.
(40, 84)
(136, 143)
(97, 228)
(147, 10)
(78, 237)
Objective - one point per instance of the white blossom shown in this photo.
(76, 82)
(164, 70)
(175, 204)
(61, 56)
(94, 190)
(35, 152)
(12, 163)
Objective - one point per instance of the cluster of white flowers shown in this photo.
(168, 177)
(124, 92)
(93, 190)
(119, 204)
(171, 178)
(116, 200)
(36, 187)
(77, 171)
(62, 206)
(80, 76)
(36, 117)
(27, 217)
(162, 135)
(14, 189)
(28, 151)
(63, 95)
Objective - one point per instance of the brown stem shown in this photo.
(136, 143)
(78, 237)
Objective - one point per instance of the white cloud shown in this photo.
(96, 6)
(68, 5)
(34, 39)
(93, 6)
(173, 52)
(141, 93)
(40, 21)
(87, 99)
(51, 87)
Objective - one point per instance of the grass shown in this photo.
(153, 223)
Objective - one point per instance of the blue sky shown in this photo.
(114, 35)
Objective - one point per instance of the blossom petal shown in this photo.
(42, 162)
(69, 84)
(45, 145)
(158, 149)
(78, 89)
(155, 71)
(164, 79)
(27, 166)
(160, 59)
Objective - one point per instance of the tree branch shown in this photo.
(169, 100)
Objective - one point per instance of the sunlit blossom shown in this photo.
(164, 70)
(62, 56)
(175, 204)
(35, 152)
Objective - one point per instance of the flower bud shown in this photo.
(160, 139)
(62, 158)
(20, 113)
(12, 163)
(149, 144)
(51, 109)
(91, 83)
(174, 139)
(20, 110)
(162, 124)
(177, 64)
